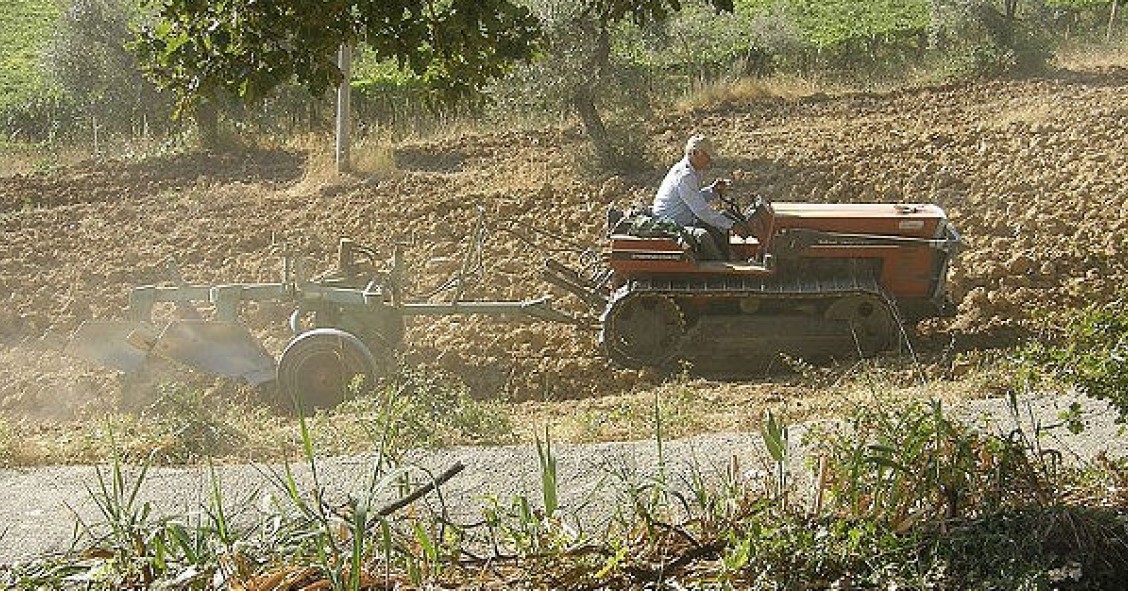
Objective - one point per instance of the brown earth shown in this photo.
(1031, 171)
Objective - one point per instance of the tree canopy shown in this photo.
(642, 11)
(247, 48)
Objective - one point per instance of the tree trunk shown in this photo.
(344, 102)
(583, 96)
(206, 117)
(1010, 23)
(596, 131)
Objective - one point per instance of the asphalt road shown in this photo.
(42, 506)
(43, 509)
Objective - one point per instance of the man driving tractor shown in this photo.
(681, 199)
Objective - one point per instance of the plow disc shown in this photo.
(223, 348)
(108, 343)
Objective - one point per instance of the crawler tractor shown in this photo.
(805, 279)
(808, 280)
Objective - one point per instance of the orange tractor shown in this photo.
(808, 280)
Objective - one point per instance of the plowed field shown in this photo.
(1033, 173)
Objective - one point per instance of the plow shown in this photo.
(808, 280)
(346, 326)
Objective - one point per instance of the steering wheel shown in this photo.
(732, 210)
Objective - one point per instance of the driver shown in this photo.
(682, 200)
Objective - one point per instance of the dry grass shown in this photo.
(748, 89)
(374, 156)
(693, 406)
(321, 164)
(1088, 57)
(789, 87)
(241, 428)
(32, 158)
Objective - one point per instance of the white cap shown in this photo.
(698, 142)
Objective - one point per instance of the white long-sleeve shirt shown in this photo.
(681, 199)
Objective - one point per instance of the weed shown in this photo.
(549, 482)
(122, 540)
(774, 434)
(1062, 546)
(1089, 351)
(189, 424)
(916, 500)
(915, 465)
(417, 409)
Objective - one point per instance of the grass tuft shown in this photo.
(374, 157)
(8, 443)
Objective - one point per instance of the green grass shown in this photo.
(26, 27)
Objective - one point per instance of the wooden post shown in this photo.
(344, 62)
(1111, 20)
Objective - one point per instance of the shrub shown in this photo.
(1087, 349)
(979, 40)
(97, 76)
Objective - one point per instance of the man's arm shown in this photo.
(695, 199)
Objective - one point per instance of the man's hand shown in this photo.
(719, 186)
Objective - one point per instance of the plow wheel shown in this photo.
(322, 367)
(643, 330)
(870, 321)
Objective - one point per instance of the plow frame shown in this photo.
(221, 344)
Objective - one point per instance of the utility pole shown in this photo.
(344, 62)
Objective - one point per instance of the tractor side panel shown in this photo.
(630, 255)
